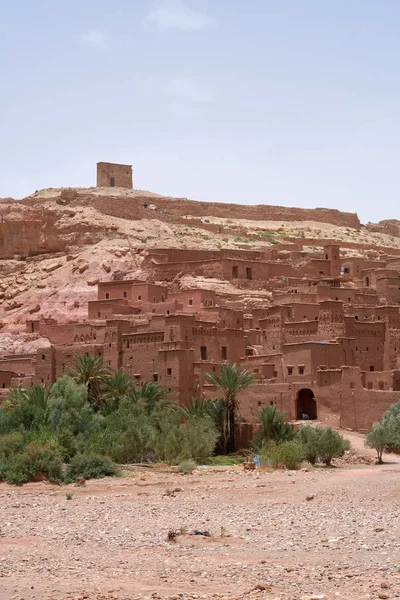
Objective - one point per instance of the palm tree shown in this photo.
(117, 387)
(273, 424)
(151, 395)
(91, 372)
(32, 404)
(231, 380)
(197, 407)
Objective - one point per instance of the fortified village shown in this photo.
(167, 290)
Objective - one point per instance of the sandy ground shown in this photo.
(267, 540)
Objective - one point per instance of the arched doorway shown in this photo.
(306, 404)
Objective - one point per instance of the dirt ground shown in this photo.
(317, 533)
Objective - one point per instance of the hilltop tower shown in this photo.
(114, 175)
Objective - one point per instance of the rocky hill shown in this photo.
(56, 244)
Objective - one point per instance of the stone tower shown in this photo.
(114, 175)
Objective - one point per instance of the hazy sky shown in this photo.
(287, 102)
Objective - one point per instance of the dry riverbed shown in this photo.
(323, 533)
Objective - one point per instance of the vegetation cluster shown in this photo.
(92, 419)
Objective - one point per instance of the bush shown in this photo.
(186, 467)
(127, 435)
(308, 437)
(286, 455)
(290, 455)
(200, 436)
(170, 445)
(90, 466)
(43, 461)
(68, 444)
(269, 455)
(378, 437)
(14, 471)
(330, 444)
(10, 444)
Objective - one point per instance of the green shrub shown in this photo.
(269, 454)
(330, 444)
(10, 444)
(186, 467)
(308, 437)
(14, 471)
(290, 455)
(127, 435)
(68, 444)
(170, 445)
(90, 466)
(286, 455)
(200, 436)
(34, 461)
(44, 460)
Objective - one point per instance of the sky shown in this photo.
(284, 102)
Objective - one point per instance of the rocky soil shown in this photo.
(317, 533)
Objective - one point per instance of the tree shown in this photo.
(273, 424)
(115, 388)
(69, 408)
(196, 408)
(92, 372)
(378, 437)
(391, 419)
(231, 380)
(31, 405)
(151, 395)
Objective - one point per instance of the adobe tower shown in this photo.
(114, 175)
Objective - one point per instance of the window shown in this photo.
(249, 273)
(321, 272)
(155, 377)
(137, 376)
(139, 297)
(356, 318)
(235, 272)
(290, 370)
(224, 353)
(125, 294)
(112, 182)
(275, 373)
(98, 315)
(43, 357)
(203, 352)
(107, 296)
(372, 368)
(190, 302)
(301, 370)
(169, 371)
